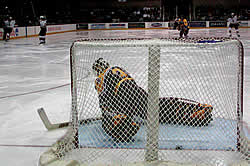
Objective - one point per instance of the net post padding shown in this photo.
(242, 140)
(74, 112)
(152, 122)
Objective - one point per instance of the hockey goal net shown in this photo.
(148, 100)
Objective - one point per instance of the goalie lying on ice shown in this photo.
(122, 101)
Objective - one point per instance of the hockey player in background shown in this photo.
(183, 27)
(9, 25)
(233, 23)
(43, 29)
(123, 104)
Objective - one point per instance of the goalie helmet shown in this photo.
(232, 14)
(99, 66)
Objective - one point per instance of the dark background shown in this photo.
(27, 12)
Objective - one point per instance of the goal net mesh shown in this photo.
(141, 100)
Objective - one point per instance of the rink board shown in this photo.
(221, 134)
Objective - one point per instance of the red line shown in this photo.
(42, 146)
(42, 90)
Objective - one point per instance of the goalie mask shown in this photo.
(99, 66)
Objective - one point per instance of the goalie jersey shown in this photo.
(119, 100)
(114, 76)
(119, 92)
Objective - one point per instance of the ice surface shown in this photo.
(34, 76)
(211, 137)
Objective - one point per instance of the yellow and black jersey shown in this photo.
(183, 22)
(99, 82)
(111, 79)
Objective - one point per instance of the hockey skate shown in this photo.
(7, 37)
(42, 42)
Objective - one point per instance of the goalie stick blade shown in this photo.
(47, 123)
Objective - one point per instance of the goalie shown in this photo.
(123, 102)
(120, 99)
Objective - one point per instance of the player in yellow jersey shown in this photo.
(183, 27)
(123, 102)
(117, 90)
(120, 100)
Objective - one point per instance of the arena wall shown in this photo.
(31, 31)
(21, 32)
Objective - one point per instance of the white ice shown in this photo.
(34, 76)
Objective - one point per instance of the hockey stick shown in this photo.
(51, 126)
(47, 123)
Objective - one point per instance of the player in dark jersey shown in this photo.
(122, 102)
(9, 25)
(233, 23)
(43, 29)
(183, 27)
(120, 99)
(118, 90)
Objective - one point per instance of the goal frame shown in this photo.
(153, 71)
(150, 150)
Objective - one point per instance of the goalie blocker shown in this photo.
(121, 101)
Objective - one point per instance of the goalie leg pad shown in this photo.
(184, 112)
(202, 116)
(120, 127)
